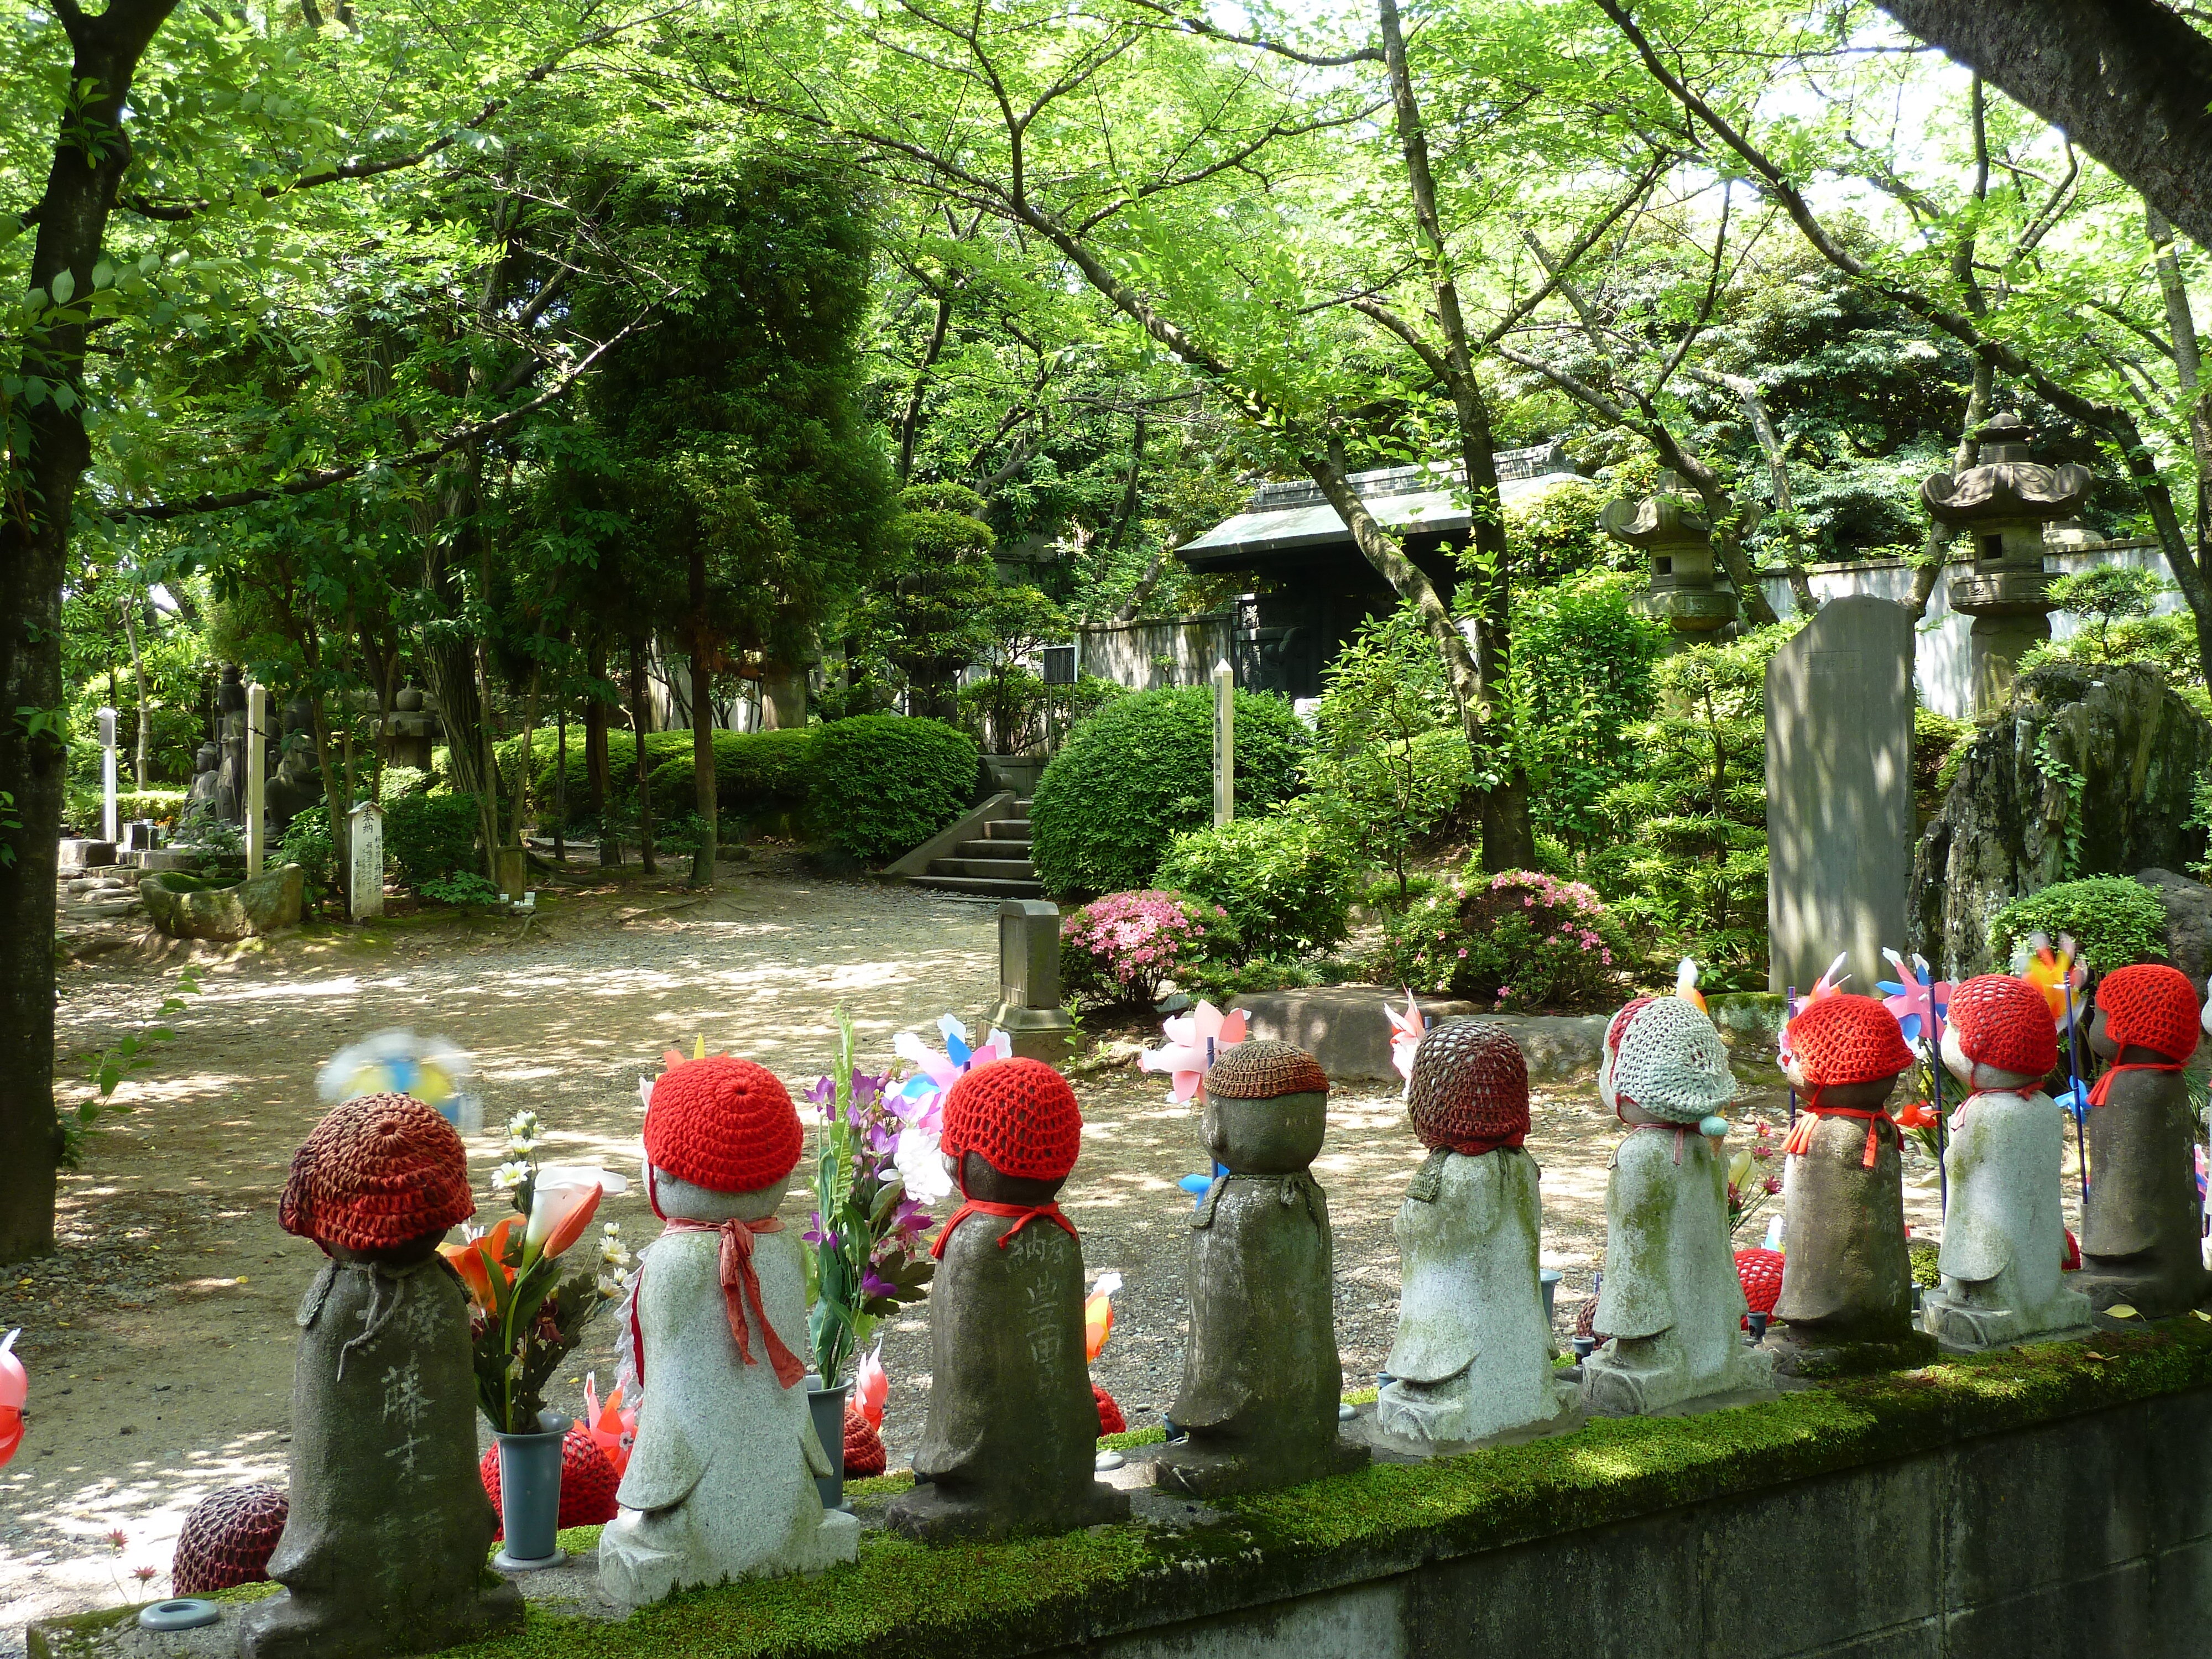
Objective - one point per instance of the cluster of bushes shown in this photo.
(760, 777)
(1520, 940)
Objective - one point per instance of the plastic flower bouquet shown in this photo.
(868, 1258)
(527, 1316)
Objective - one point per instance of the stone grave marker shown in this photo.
(1030, 1009)
(366, 838)
(1839, 828)
(257, 773)
(1225, 742)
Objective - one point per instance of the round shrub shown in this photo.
(1286, 881)
(431, 837)
(1118, 949)
(2115, 920)
(1518, 940)
(758, 774)
(1139, 772)
(881, 785)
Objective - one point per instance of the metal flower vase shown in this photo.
(530, 1496)
(828, 1406)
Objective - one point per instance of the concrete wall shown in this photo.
(1130, 653)
(2085, 1538)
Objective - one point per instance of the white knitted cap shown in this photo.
(1665, 1057)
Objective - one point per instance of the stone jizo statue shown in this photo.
(1671, 1304)
(721, 1482)
(1473, 1354)
(384, 1544)
(2004, 1238)
(2142, 1227)
(1011, 1443)
(1847, 1279)
(1262, 1382)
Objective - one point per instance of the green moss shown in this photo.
(1152, 1437)
(1924, 1254)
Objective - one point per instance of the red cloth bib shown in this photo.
(1020, 1214)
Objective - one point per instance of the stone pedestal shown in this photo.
(1030, 1009)
(364, 886)
(383, 1546)
(1840, 791)
(1473, 1358)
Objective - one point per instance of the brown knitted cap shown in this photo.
(1470, 1088)
(376, 1173)
(1264, 1070)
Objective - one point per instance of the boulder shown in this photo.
(183, 909)
(2088, 771)
(2188, 921)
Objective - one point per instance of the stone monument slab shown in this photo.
(1029, 1009)
(366, 838)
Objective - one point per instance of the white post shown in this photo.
(109, 827)
(257, 772)
(368, 843)
(1224, 743)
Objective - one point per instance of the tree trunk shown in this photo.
(597, 769)
(47, 455)
(702, 722)
(2129, 80)
(561, 785)
(641, 721)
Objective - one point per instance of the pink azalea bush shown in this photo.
(1119, 948)
(1520, 941)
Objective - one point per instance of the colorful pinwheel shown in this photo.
(15, 1389)
(1920, 1004)
(871, 1385)
(612, 1428)
(1194, 1041)
(1406, 1033)
(1098, 1315)
(935, 1073)
(2054, 971)
(398, 1062)
(1685, 985)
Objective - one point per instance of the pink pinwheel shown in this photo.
(872, 1385)
(935, 1073)
(1406, 1032)
(1194, 1041)
(15, 1389)
(1917, 1004)
(612, 1427)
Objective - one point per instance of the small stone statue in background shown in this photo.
(1671, 1304)
(1847, 1278)
(721, 1481)
(1473, 1353)
(2142, 1226)
(2004, 1239)
(384, 1546)
(1011, 1444)
(1261, 1383)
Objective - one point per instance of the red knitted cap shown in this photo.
(1848, 1039)
(376, 1172)
(1470, 1089)
(228, 1539)
(2004, 1023)
(1019, 1115)
(722, 1123)
(2150, 1006)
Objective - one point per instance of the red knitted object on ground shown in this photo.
(228, 1539)
(1020, 1115)
(1470, 1089)
(1586, 1322)
(376, 1172)
(1760, 1271)
(2150, 1006)
(864, 1446)
(1265, 1069)
(588, 1481)
(722, 1123)
(2071, 1263)
(1111, 1420)
(2004, 1024)
(1848, 1039)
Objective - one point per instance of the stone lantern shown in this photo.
(1670, 524)
(2002, 504)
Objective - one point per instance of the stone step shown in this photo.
(992, 848)
(996, 869)
(980, 886)
(1007, 828)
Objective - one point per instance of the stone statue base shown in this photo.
(1963, 1327)
(2156, 1289)
(1197, 1469)
(1367, 1429)
(933, 1514)
(1810, 1353)
(1635, 1376)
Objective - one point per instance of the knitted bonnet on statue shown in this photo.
(720, 1483)
(1472, 1357)
(386, 1530)
(1010, 1442)
(2004, 1235)
(1671, 1301)
(2142, 1224)
(1261, 1380)
(1846, 1279)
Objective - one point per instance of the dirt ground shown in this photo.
(160, 1339)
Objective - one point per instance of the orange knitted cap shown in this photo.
(2150, 1006)
(2004, 1023)
(1019, 1115)
(722, 1123)
(1847, 1039)
(1469, 1090)
(376, 1172)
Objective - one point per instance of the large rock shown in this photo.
(2006, 823)
(182, 908)
(2188, 921)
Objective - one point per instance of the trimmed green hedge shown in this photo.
(1286, 881)
(758, 774)
(881, 785)
(1139, 772)
(2116, 920)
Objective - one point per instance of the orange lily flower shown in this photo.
(558, 1216)
(1915, 1115)
(477, 1260)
